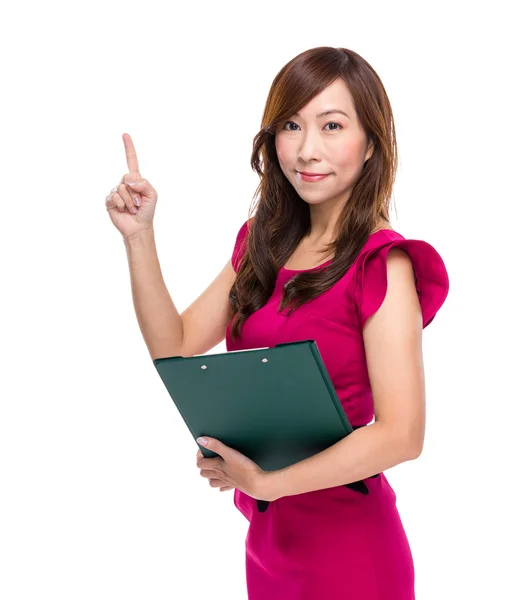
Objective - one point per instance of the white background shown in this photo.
(100, 494)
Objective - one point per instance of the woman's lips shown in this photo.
(312, 177)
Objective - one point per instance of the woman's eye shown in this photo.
(287, 123)
(292, 123)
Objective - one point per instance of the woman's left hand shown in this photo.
(231, 469)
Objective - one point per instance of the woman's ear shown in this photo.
(371, 149)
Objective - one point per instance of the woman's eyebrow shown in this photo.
(327, 112)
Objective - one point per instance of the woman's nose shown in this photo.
(310, 148)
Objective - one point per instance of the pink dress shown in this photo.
(335, 543)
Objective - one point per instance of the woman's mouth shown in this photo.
(312, 177)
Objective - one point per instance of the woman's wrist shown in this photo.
(140, 238)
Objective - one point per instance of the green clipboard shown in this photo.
(275, 405)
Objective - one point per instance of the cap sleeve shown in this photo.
(431, 278)
(239, 246)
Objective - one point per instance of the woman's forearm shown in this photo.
(159, 320)
(365, 452)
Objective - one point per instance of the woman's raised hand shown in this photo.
(131, 207)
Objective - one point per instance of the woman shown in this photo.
(318, 260)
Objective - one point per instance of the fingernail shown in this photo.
(133, 210)
(137, 201)
(202, 441)
(132, 183)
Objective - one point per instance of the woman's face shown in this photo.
(333, 144)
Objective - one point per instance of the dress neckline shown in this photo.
(284, 270)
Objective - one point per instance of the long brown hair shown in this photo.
(282, 218)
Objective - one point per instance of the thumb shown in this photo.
(206, 442)
(139, 185)
(214, 445)
(228, 454)
(143, 186)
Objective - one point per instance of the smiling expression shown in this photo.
(325, 137)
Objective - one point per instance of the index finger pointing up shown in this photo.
(130, 152)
